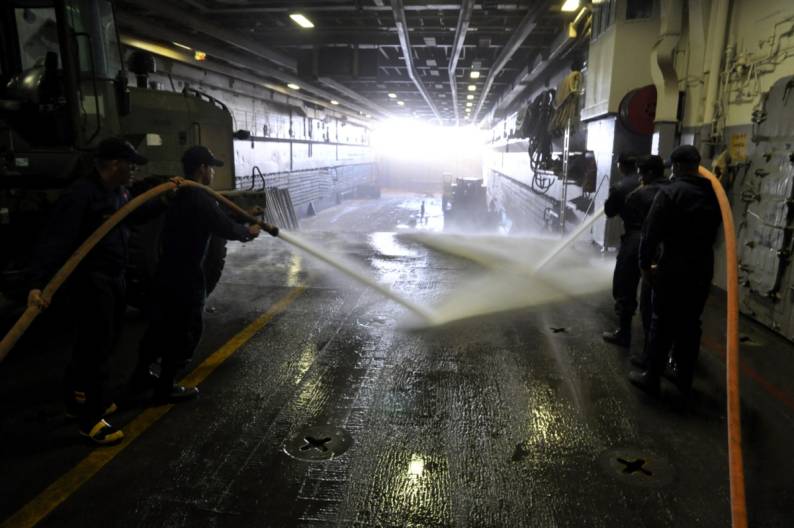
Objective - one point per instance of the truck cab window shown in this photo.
(38, 34)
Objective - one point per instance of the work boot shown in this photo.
(620, 337)
(102, 433)
(174, 394)
(645, 380)
(75, 406)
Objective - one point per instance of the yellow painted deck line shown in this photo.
(60, 490)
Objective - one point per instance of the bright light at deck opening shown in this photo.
(417, 140)
(301, 20)
(570, 5)
(293, 86)
(178, 45)
(334, 102)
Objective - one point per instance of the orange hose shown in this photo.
(735, 457)
(31, 312)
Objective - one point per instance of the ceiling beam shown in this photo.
(142, 26)
(212, 29)
(405, 43)
(520, 34)
(461, 29)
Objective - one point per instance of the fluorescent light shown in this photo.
(334, 102)
(293, 86)
(301, 20)
(474, 75)
(570, 5)
(472, 87)
(392, 96)
(178, 45)
(470, 97)
(469, 104)
(400, 103)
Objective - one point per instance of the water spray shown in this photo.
(361, 277)
(565, 243)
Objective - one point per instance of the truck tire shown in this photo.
(214, 261)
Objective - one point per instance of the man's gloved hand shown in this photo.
(254, 230)
(36, 299)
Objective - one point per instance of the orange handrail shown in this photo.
(735, 457)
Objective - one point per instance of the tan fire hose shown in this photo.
(735, 457)
(32, 311)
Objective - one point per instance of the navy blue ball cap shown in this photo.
(116, 148)
(200, 155)
(685, 154)
(650, 163)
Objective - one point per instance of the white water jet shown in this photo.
(350, 271)
(570, 240)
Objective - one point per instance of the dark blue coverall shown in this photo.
(635, 211)
(683, 223)
(627, 274)
(176, 321)
(95, 293)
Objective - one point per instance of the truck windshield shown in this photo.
(94, 29)
(38, 34)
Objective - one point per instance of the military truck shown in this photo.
(464, 203)
(63, 88)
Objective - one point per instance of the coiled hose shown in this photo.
(32, 311)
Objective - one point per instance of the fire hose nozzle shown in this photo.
(270, 229)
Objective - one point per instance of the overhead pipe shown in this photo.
(663, 71)
(457, 46)
(527, 25)
(143, 26)
(405, 43)
(213, 29)
(341, 88)
(718, 32)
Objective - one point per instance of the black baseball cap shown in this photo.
(116, 148)
(650, 163)
(200, 155)
(685, 154)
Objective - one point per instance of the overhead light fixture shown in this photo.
(474, 75)
(368, 116)
(301, 20)
(178, 45)
(200, 56)
(570, 5)
(392, 96)
(470, 97)
(400, 103)
(334, 102)
(293, 86)
(472, 88)
(469, 104)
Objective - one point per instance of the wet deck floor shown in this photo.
(499, 421)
